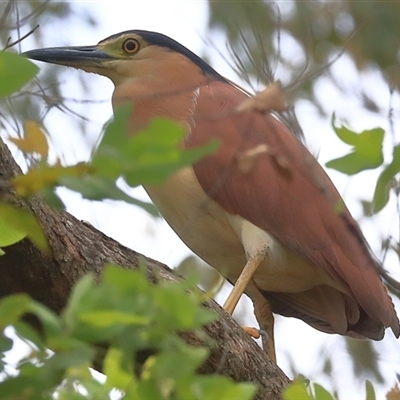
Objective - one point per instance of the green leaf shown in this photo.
(79, 378)
(15, 71)
(65, 342)
(369, 388)
(25, 223)
(147, 390)
(126, 313)
(383, 185)
(175, 363)
(5, 344)
(106, 318)
(149, 156)
(181, 308)
(115, 134)
(163, 156)
(366, 153)
(57, 364)
(12, 307)
(105, 311)
(94, 187)
(321, 393)
(51, 197)
(50, 321)
(28, 380)
(126, 281)
(9, 234)
(77, 298)
(68, 393)
(27, 332)
(117, 376)
(296, 391)
(215, 387)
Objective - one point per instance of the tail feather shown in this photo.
(329, 311)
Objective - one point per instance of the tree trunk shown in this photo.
(78, 248)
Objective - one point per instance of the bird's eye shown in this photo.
(130, 46)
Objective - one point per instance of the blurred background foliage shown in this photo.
(365, 33)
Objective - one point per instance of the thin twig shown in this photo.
(8, 45)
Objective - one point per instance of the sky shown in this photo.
(186, 21)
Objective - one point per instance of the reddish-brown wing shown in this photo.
(285, 192)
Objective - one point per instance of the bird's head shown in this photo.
(131, 55)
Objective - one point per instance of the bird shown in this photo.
(260, 209)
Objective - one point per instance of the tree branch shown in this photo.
(78, 248)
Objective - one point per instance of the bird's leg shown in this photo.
(240, 286)
(265, 318)
(262, 308)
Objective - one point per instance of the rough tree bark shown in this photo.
(78, 248)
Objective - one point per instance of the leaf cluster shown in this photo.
(137, 322)
(367, 154)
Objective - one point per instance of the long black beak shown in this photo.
(80, 56)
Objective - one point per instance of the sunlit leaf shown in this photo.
(24, 222)
(110, 318)
(34, 140)
(15, 71)
(38, 178)
(117, 376)
(296, 391)
(366, 153)
(383, 185)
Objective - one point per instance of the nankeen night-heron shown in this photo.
(277, 235)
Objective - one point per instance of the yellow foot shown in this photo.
(253, 332)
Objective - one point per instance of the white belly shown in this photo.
(224, 241)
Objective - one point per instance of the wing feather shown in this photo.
(287, 193)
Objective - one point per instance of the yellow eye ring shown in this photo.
(130, 46)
